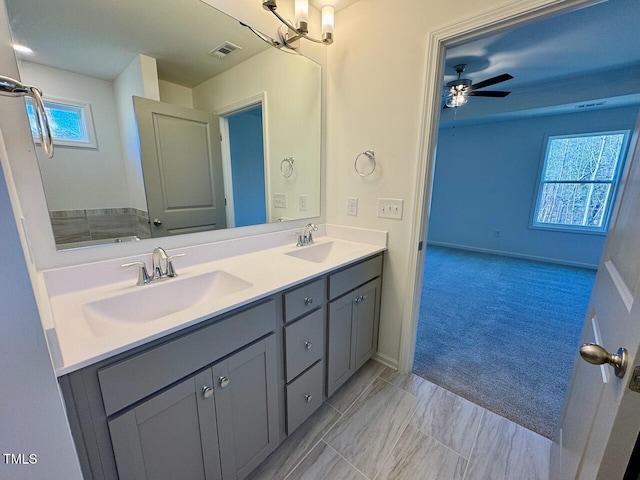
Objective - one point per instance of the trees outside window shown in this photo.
(578, 181)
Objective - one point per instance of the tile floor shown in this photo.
(383, 426)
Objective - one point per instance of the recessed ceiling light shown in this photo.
(21, 48)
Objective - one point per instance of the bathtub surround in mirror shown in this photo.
(90, 53)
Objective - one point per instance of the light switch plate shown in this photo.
(352, 206)
(302, 203)
(280, 200)
(390, 208)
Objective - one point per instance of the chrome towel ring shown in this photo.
(363, 172)
(286, 167)
(10, 87)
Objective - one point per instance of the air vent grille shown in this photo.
(224, 49)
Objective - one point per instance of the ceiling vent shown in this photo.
(223, 50)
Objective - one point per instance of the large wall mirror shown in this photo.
(169, 118)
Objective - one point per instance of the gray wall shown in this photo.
(32, 418)
(486, 179)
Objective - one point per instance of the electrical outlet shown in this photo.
(352, 206)
(280, 200)
(390, 208)
(302, 203)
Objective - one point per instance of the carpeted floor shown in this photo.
(502, 332)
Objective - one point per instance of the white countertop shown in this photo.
(79, 342)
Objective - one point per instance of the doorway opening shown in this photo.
(491, 276)
(243, 165)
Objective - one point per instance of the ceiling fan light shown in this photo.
(457, 100)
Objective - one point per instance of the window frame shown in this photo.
(614, 182)
(86, 122)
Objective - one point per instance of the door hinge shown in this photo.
(420, 246)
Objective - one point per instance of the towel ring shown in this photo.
(286, 167)
(372, 157)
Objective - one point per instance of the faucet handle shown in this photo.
(171, 272)
(143, 274)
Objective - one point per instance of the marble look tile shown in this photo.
(324, 463)
(449, 419)
(280, 463)
(411, 383)
(367, 432)
(110, 226)
(70, 230)
(418, 456)
(344, 397)
(67, 214)
(505, 450)
(141, 226)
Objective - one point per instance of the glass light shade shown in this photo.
(327, 19)
(457, 100)
(302, 11)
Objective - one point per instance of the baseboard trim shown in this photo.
(386, 360)
(514, 255)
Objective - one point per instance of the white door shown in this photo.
(182, 167)
(601, 419)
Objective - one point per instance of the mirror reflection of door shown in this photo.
(182, 168)
(244, 167)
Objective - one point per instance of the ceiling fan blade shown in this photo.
(491, 81)
(489, 93)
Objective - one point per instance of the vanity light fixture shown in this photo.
(290, 33)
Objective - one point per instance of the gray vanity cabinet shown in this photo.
(173, 435)
(352, 320)
(219, 424)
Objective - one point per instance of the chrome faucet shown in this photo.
(162, 266)
(306, 237)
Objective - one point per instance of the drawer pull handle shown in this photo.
(207, 391)
(357, 299)
(363, 298)
(308, 300)
(308, 345)
(223, 382)
(308, 398)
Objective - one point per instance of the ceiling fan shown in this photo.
(460, 89)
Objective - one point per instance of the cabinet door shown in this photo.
(341, 341)
(170, 436)
(247, 405)
(366, 313)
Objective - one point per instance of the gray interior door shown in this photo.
(247, 404)
(182, 167)
(171, 436)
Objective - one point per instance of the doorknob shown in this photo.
(597, 355)
(157, 222)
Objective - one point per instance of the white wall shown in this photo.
(486, 180)
(32, 415)
(292, 113)
(140, 78)
(79, 178)
(175, 94)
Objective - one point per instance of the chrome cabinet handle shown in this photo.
(357, 300)
(308, 398)
(157, 222)
(363, 298)
(308, 300)
(597, 355)
(308, 345)
(207, 391)
(223, 382)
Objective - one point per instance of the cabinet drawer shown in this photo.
(352, 277)
(135, 378)
(304, 343)
(303, 299)
(304, 396)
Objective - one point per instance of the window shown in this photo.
(71, 123)
(578, 181)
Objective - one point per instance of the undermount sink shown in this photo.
(145, 303)
(320, 252)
